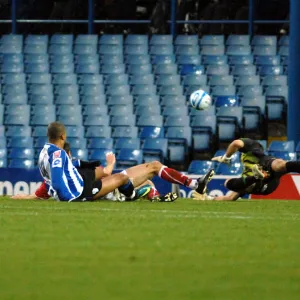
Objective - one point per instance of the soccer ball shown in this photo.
(200, 100)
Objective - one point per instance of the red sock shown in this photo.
(153, 193)
(174, 176)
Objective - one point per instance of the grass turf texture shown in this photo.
(142, 250)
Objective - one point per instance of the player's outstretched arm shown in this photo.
(235, 146)
(24, 197)
(110, 164)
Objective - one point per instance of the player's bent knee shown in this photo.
(156, 166)
(123, 178)
(278, 165)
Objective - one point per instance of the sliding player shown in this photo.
(261, 172)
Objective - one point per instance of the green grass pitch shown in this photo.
(141, 250)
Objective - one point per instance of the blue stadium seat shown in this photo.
(271, 80)
(264, 50)
(217, 70)
(39, 78)
(25, 153)
(165, 69)
(212, 40)
(229, 122)
(250, 91)
(226, 101)
(62, 39)
(165, 79)
(205, 124)
(40, 141)
(187, 50)
(118, 79)
(129, 157)
(35, 49)
(37, 39)
(212, 50)
(221, 80)
(277, 92)
(278, 146)
(94, 109)
(3, 153)
(182, 39)
(60, 49)
(80, 153)
(176, 154)
(192, 88)
(285, 155)
(297, 150)
(127, 143)
(3, 142)
(39, 131)
(10, 48)
(115, 100)
(99, 154)
(191, 69)
(171, 100)
(43, 109)
(67, 99)
(36, 58)
(62, 68)
(15, 99)
(170, 90)
(87, 59)
(267, 60)
(214, 60)
(163, 59)
(75, 131)
(15, 109)
(91, 89)
(270, 70)
(155, 149)
(68, 110)
(61, 58)
(147, 110)
(64, 79)
(100, 143)
(40, 89)
(77, 142)
(111, 39)
(243, 80)
(41, 99)
(151, 132)
(238, 70)
(161, 39)
(18, 131)
(119, 110)
(223, 90)
(93, 100)
(179, 135)
(17, 119)
(12, 39)
(189, 59)
(233, 169)
(110, 49)
(128, 120)
(146, 100)
(175, 111)
(141, 79)
(238, 50)
(70, 120)
(113, 69)
(21, 163)
(284, 40)
(136, 50)
(112, 59)
(180, 121)
(97, 120)
(42, 120)
(241, 60)
(143, 89)
(194, 79)
(238, 39)
(90, 79)
(136, 39)
(66, 89)
(14, 89)
(118, 90)
(80, 49)
(12, 58)
(265, 40)
(139, 70)
(133, 59)
(86, 39)
(200, 166)
(12, 68)
(20, 142)
(124, 131)
(161, 49)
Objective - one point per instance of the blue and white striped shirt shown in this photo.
(64, 181)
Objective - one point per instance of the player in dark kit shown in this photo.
(261, 173)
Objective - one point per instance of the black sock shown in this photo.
(292, 166)
(240, 184)
(127, 189)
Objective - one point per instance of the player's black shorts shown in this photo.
(91, 186)
(266, 162)
(265, 187)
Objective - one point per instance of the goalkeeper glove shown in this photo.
(222, 159)
(202, 197)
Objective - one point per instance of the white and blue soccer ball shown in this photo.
(200, 100)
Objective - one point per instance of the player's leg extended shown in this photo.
(282, 166)
(240, 184)
(113, 182)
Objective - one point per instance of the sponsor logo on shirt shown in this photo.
(57, 163)
(56, 154)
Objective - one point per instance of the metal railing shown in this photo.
(173, 22)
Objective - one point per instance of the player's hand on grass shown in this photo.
(222, 159)
(202, 197)
(21, 196)
(110, 158)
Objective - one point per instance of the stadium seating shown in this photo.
(111, 86)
